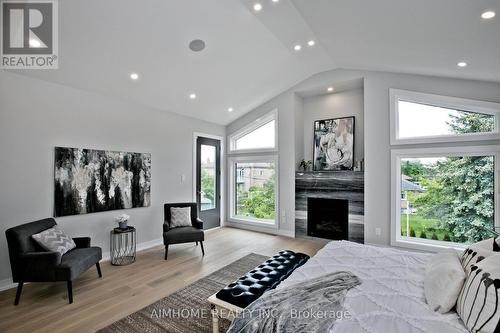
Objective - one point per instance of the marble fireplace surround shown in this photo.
(346, 185)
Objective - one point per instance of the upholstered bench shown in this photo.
(231, 300)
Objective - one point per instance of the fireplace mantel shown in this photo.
(346, 185)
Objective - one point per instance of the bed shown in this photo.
(390, 298)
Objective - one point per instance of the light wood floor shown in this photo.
(124, 290)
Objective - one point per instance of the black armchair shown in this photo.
(29, 262)
(183, 234)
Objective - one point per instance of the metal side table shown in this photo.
(123, 243)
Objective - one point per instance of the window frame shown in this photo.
(232, 161)
(259, 122)
(460, 104)
(397, 155)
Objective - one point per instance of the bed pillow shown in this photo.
(444, 279)
(477, 252)
(54, 240)
(478, 304)
(180, 217)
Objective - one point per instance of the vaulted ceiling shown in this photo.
(249, 55)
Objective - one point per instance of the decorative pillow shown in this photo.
(180, 217)
(54, 240)
(477, 252)
(444, 279)
(479, 301)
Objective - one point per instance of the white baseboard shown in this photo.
(265, 230)
(287, 233)
(252, 227)
(8, 284)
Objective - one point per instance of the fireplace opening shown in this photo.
(328, 218)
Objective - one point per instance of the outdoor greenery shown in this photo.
(458, 199)
(258, 202)
(207, 185)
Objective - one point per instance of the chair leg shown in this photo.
(202, 249)
(98, 269)
(166, 252)
(70, 292)
(196, 243)
(18, 292)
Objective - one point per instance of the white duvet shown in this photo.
(390, 298)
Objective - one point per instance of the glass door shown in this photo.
(208, 181)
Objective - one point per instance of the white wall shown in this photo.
(299, 132)
(342, 104)
(376, 132)
(36, 116)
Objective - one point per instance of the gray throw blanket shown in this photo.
(311, 306)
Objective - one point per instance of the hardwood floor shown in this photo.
(123, 290)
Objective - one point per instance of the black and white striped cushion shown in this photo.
(478, 303)
(55, 240)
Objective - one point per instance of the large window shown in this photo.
(425, 118)
(445, 195)
(255, 190)
(254, 173)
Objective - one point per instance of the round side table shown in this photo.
(123, 246)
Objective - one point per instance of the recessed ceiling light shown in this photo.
(230, 110)
(462, 64)
(311, 43)
(134, 76)
(257, 7)
(276, 0)
(192, 96)
(488, 15)
(330, 89)
(297, 47)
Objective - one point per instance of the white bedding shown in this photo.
(391, 297)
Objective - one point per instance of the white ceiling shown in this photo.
(249, 56)
(412, 36)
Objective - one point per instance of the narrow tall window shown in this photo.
(254, 173)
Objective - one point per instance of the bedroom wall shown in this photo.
(376, 131)
(342, 104)
(36, 116)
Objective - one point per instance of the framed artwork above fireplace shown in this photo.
(333, 148)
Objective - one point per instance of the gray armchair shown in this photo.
(29, 262)
(183, 234)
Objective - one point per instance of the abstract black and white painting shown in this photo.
(334, 144)
(90, 181)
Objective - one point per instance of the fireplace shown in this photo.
(328, 218)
